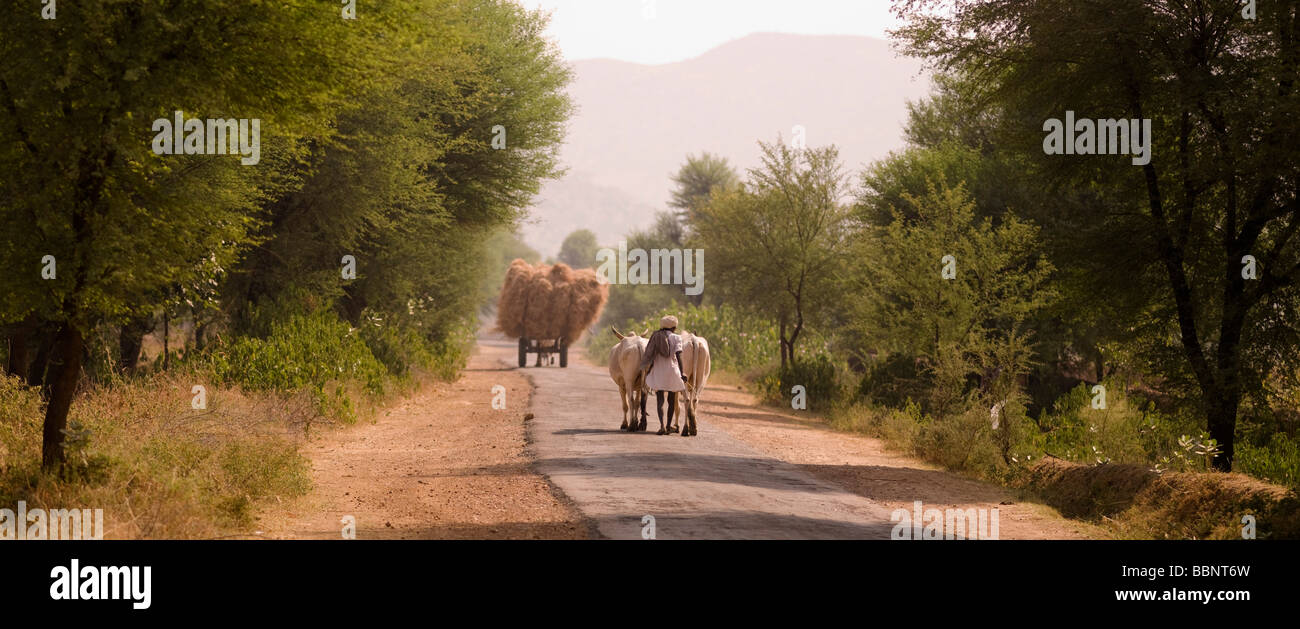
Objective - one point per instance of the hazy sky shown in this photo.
(664, 31)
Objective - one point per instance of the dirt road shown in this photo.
(712, 486)
(442, 464)
(752, 473)
(445, 464)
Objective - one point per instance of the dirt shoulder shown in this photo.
(863, 465)
(441, 464)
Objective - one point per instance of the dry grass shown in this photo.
(1129, 500)
(156, 466)
(1139, 503)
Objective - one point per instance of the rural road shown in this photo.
(711, 486)
(443, 463)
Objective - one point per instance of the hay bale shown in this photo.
(549, 302)
(589, 297)
(539, 312)
(560, 274)
(512, 306)
(558, 307)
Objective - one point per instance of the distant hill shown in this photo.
(636, 123)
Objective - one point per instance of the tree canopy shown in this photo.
(777, 242)
(1222, 183)
(380, 143)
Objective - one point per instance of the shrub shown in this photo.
(1126, 431)
(739, 342)
(819, 376)
(315, 352)
(1277, 461)
(400, 347)
(894, 382)
(961, 441)
(897, 426)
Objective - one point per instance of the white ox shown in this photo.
(625, 369)
(696, 363)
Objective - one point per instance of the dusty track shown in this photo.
(711, 486)
(445, 465)
(864, 466)
(440, 465)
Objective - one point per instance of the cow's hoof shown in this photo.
(662, 432)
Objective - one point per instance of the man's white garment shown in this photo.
(664, 374)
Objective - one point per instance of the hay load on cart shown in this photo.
(548, 307)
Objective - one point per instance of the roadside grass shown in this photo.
(1176, 498)
(737, 339)
(1128, 470)
(1138, 503)
(1095, 469)
(161, 469)
(157, 467)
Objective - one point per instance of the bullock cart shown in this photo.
(547, 308)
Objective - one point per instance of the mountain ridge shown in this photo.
(636, 123)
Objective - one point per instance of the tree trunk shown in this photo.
(783, 345)
(794, 337)
(798, 323)
(18, 355)
(130, 341)
(353, 305)
(1224, 401)
(167, 335)
(1222, 412)
(36, 371)
(200, 328)
(64, 376)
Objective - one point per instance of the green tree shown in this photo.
(955, 136)
(777, 244)
(79, 180)
(501, 248)
(951, 291)
(434, 188)
(634, 302)
(1221, 183)
(579, 249)
(697, 181)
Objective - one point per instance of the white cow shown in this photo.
(697, 363)
(625, 369)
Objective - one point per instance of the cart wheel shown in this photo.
(564, 354)
(523, 352)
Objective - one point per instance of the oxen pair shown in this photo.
(625, 369)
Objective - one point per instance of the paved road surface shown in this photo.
(707, 487)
